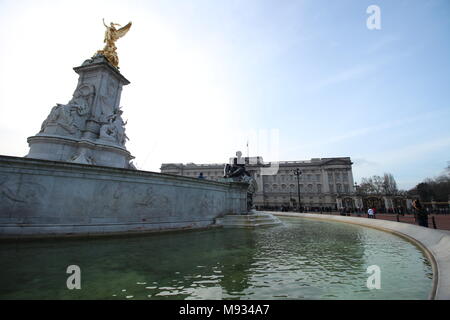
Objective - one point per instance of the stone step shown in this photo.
(249, 225)
(236, 218)
(248, 221)
(249, 216)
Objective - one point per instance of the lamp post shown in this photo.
(290, 197)
(357, 194)
(297, 172)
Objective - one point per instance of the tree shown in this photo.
(389, 184)
(437, 189)
(424, 191)
(378, 185)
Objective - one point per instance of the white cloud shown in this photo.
(351, 73)
(369, 130)
(382, 43)
(412, 152)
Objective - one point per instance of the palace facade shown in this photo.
(325, 183)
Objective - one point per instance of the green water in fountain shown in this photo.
(301, 259)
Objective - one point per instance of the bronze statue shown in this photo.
(111, 36)
(237, 169)
(237, 172)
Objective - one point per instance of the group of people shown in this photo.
(420, 214)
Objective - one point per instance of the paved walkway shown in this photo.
(442, 220)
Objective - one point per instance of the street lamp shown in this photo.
(290, 197)
(297, 172)
(359, 204)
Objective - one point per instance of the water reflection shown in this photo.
(300, 260)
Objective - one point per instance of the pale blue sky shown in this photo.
(205, 71)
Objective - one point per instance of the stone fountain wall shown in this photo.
(42, 197)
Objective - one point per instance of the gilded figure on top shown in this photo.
(111, 36)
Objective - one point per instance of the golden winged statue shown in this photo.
(111, 36)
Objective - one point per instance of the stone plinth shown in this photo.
(89, 129)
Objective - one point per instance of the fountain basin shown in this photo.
(299, 259)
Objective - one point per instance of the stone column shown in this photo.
(388, 202)
(326, 184)
(351, 180)
(358, 202)
(339, 203)
(258, 197)
(409, 204)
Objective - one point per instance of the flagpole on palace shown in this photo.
(248, 151)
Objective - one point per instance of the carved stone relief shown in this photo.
(150, 199)
(71, 116)
(21, 192)
(207, 202)
(108, 97)
(110, 195)
(114, 129)
(82, 157)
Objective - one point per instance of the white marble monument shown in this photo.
(74, 179)
(89, 129)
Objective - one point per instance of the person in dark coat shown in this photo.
(421, 215)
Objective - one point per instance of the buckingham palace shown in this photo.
(325, 183)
